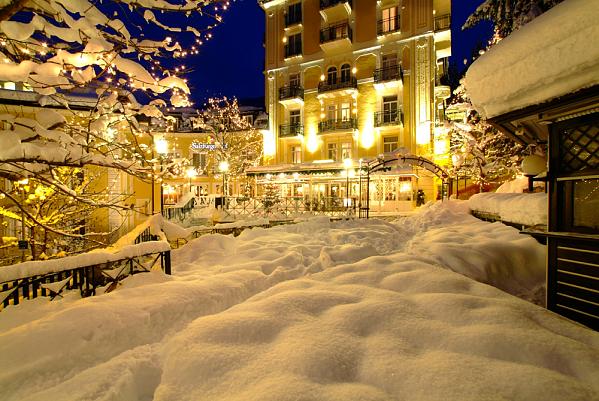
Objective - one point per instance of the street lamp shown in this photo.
(161, 147)
(347, 164)
(191, 173)
(223, 167)
(533, 165)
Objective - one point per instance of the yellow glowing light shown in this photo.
(423, 133)
(269, 144)
(322, 77)
(312, 142)
(161, 146)
(367, 139)
(405, 186)
(354, 70)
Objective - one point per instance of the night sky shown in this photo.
(231, 63)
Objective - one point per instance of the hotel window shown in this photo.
(296, 154)
(294, 45)
(389, 144)
(332, 151)
(199, 160)
(390, 19)
(389, 109)
(345, 73)
(294, 80)
(295, 118)
(332, 112)
(346, 150)
(345, 111)
(294, 14)
(332, 76)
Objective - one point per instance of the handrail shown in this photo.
(350, 83)
(388, 25)
(335, 32)
(287, 130)
(86, 277)
(339, 124)
(391, 73)
(291, 92)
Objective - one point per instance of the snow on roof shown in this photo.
(554, 55)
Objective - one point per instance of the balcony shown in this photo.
(335, 10)
(336, 38)
(442, 88)
(337, 125)
(267, 4)
(387, 26)
(388, 77)
(388, 118)
(293, 19)
(345, 87)
(290, 130)
(442, 22)
(290, 95)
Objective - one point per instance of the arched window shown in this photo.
(345, 73)
(332, 75)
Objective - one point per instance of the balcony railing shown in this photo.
(289, 130)
(443, 22)
(291, 92)
(334, 125)
(293, 19)
(386, 74)
(384, 118)
(388, 25)
(325, 86)
(332, 3)
(293, 50)
(336, 32)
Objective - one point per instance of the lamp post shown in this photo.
(347, 164)
(161, 147)
(191, 173)
(533, 165)
(223, 167)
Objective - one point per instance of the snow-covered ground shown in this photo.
(351, 310)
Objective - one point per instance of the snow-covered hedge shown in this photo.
(520, 208)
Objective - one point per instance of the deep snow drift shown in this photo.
(356, 310)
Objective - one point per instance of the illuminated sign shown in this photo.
(195, 145)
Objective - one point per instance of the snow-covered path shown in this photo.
(358, 310)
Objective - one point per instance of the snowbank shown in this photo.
(319, 310)
(552, 56)
(520, 208)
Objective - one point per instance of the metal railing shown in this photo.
(442, 22)
(179, 213)
(290, 130)
(324, 4)
(336, 32)
(339, 124)
(84, 278)
(325, 86)
(385, 118)
(387, 25)
(386, 74)
(291, 92)
(284, 208)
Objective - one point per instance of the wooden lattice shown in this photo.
(579, 148)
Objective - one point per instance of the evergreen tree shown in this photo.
(509, 15)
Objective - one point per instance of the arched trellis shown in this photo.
(397, 159)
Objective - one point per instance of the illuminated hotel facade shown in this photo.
(347, 81)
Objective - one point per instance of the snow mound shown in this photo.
(319, 310)
(521, 208)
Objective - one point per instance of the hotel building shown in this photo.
(348, 81)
